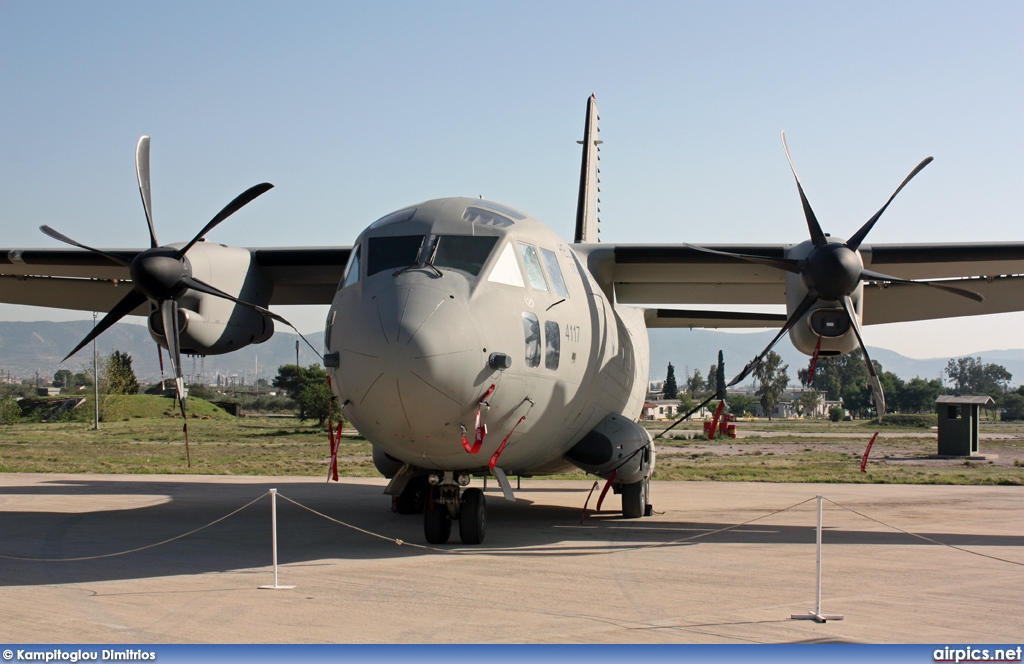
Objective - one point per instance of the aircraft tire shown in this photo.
(437, 525)
(413, 496)
(634, 499)
(472, 516)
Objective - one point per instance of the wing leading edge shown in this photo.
(660, 276)
(85, 281)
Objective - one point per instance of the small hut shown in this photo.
(958, 424)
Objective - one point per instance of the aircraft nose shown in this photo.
(409, 363)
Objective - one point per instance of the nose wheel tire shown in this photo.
(634, 499)
(437, 525)
(472, 516)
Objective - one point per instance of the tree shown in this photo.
(808, 401)
(671, 389)
(918, 395)
(1012, 406)
(773, 378)
(720, 377)
(695, 384)
(120, 375)
(970, 376)
(741, 405)
(315, 398)
(292, 378)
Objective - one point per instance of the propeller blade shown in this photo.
(876, 385)
(868, 275)
(169, 316)
(203, 287)
(797, 314)
(234, 206)
(66, 240)
(817, 235)
(787, 264)
(127, 304)
(858, 237)
(142, 172)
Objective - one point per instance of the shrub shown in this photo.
(10, 411)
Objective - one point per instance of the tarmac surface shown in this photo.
(539, 577)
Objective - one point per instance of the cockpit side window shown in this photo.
(463, 252)
(531, 330)
(352, 271)
(389, 253)
(554, 272)
(534, 272)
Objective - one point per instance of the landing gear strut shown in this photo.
(444, 505)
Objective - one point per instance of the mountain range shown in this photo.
(28, 347)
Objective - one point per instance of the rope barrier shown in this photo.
(400, 542)
(927, 539)
(491, 552)
(137, 549)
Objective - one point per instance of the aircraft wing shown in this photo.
(85, 281)
(668, 278)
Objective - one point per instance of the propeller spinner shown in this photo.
(832, 271)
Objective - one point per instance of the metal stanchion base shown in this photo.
(275, 587)
(816, 617)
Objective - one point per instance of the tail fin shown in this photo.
(587, 205)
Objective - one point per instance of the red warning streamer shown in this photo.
(335, 440)
(501, 448)
(481, 428)
(814, 362)
(864, 461)
(604, 491)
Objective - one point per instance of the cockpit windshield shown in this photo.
(389, 253)
(463, 252)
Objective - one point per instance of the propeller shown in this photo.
(832, 271)
(161, 275)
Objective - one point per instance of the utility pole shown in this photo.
(95, 382)
(298, 369)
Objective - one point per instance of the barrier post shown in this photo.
(817, 615)
(273, 540)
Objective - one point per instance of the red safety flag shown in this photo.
(332, 471)
(501, 448)
(480, 427)
(604, 491)
(864, 461)
(814, 362)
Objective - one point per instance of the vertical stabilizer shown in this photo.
(587, 205)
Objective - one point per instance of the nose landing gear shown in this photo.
(445, 505)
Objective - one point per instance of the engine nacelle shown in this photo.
(615, 444)
(825, 320)
(211, 325)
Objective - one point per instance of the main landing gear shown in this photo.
(635, 499)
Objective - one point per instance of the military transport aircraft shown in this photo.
(466, 338)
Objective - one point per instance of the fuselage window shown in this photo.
(389, 253)
(552, 339)
(554, 272)
(479, 216)
(352, 271)
(506, 269)
(463, 252)
(531, 329)
(532, 264)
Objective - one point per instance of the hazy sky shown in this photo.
(356, 109)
